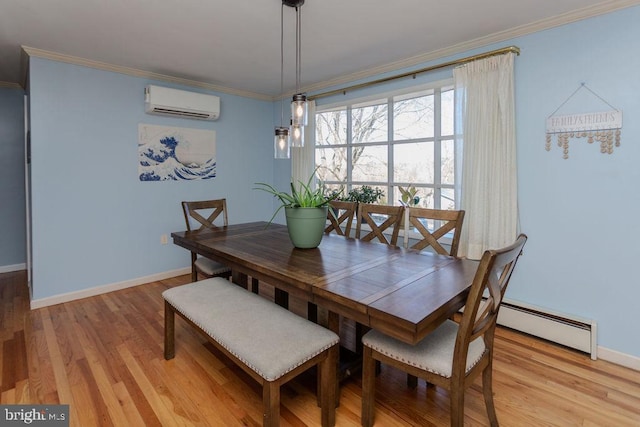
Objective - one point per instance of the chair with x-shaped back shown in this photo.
(421, 219)
(340, 215)
(379, 218)
(200, 215)
(454, 354)
(446, 221)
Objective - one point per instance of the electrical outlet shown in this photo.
(164, 239)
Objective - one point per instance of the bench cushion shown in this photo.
(264, 336)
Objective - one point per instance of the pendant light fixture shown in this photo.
(294, 135)
(299, 102)
(281, 139)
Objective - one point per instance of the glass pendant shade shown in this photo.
(299, 110)
(296, 135)
(281, 143)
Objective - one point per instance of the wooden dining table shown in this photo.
(403, 293)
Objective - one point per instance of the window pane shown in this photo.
(447, 199)
(446, 112)
(448, 162)
(413, 118)
(413, 162)
(369, 123)
(427, 201)
(357, 140)
(331, 127)
(332, 164)
(370, 163)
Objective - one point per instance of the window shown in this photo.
(396, 140)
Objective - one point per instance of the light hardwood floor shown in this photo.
(104, 357)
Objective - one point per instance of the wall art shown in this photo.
(173, 153)
(603, 127)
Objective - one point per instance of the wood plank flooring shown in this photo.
(104, 357)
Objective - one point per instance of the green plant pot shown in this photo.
(306, 226)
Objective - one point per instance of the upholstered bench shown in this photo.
(268, 342)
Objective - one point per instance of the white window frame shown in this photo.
(437, 138)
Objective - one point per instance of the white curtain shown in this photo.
(485, 102)
(303, 158)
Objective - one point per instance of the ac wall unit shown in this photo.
(180, 103)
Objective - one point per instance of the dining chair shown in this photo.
(340, 214)
(421, 219)
(446, 221)
(454, 354)
(199, 215)
(203, 214)
(379, 218)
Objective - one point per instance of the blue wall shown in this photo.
(12, 194)
(580, 213)
(94, 222)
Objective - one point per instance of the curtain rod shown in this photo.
(460, 61)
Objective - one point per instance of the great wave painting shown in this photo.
(173, 153)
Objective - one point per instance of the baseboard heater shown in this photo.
(569, 331)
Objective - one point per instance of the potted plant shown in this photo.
(409, 196)
(305, 211)
(365, 194)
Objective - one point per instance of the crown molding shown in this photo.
(54, 56)
(545, 24)
(499, 37)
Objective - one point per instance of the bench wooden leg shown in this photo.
(169, 331)
(271, 404)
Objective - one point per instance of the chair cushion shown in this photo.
(264, 336)
(210, 267)
(433, 354)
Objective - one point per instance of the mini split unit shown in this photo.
(179, 103)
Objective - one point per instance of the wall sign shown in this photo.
(603, 127)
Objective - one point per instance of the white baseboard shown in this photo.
(98, 290)
(14, 267)
(622, 359)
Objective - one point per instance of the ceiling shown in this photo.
(235, 44)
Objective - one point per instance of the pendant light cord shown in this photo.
(298, 49)
(281, 63)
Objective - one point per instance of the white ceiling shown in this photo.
(235, 44)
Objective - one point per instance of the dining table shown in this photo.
(401, 292)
